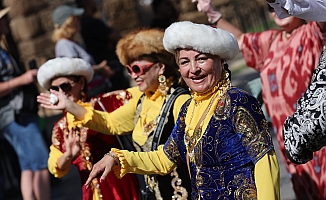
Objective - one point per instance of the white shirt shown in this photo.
(314, 10)
(70, 49)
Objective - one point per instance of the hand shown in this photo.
(72, 144)
(44, 100)
(205, 6)
(106, 70)
(105, 164)
(29, 76)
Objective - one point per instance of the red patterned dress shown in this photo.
(286, 67)
(93, 146)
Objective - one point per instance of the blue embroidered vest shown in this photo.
(236, 137)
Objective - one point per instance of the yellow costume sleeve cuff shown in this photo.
(267, 177)
(72, 122)
(120, 170)
(153, 162)
(55, 154)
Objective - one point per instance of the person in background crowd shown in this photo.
(20, 122)
(81, 146)
(164, 14)
(304, 135)
(101, 41)
(150, 115)
(285, 59)
(304, 9)
(304, 131)
(68, 44)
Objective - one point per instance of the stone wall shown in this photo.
(31, 27)
(31, 24)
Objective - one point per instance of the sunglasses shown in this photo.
(65, 87)
(139, 70)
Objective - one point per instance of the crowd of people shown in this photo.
(183, 131)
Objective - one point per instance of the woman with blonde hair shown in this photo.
(69, 44)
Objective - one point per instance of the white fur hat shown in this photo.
(202, 38)
(63, 67)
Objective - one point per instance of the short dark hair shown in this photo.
(79, 3)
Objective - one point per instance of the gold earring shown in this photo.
(162, 87)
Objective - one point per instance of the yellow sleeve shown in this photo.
(178, 103)
(267, 177)
(118, 122)
(55, 154)
(152, 162)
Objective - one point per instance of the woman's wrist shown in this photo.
(96, 67)
(75, 109)
(213, 16)
(67, 157)
(114, 156)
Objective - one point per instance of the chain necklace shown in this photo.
(191, 140)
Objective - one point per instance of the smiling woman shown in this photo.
(201, 73)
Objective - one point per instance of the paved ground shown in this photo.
(68, 188)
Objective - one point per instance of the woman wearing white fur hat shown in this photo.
(221, 134)
(82, 146)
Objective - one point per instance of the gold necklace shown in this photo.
(191, 140)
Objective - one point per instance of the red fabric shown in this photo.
(285, 67)
(95, 145)
(115, 189)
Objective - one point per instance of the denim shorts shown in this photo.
(28, 143)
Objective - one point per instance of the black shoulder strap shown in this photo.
(103, 108)
(170, 102)
(126, 140)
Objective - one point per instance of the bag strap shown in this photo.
(159, 128)
(103, 108)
